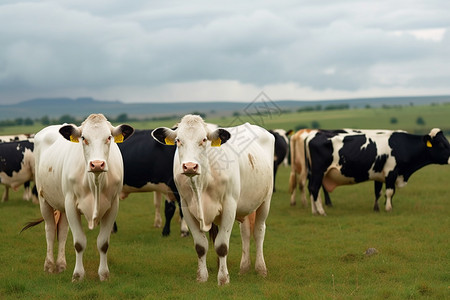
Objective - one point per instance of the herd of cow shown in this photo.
(210, 172)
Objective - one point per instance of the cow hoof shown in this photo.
(60, 268)
(293, 203)
(184, 233)
(49, 266)
(104, 276)
(223, 280)
(244, 268)
(262, 272)
(76, 277)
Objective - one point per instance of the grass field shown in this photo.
(308, 257)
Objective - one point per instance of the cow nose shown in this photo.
(97, 166)
(190, 169)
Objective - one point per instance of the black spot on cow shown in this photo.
(200, 250)
(357, 156)
(78, 247)
(380, 161)
(222, 250)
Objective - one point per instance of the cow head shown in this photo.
(96, 135)
(438, 146)
(192, 138)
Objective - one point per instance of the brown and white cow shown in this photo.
(299, 171)
(222, 176)
(79, 170)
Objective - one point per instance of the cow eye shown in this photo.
(108, 139)
(85, 141)
(178, 142)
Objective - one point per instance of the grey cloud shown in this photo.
(54, 45)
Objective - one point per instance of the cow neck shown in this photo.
(95, 214)
(197, 189)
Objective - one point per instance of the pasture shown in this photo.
(308, 257)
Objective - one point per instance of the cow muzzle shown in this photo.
(97, 166)
(190, 169)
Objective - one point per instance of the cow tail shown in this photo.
(213, 232)
(307, 161)
(57, 216)
(32, 224)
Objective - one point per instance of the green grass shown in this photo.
(308, 257)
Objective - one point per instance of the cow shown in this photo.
(351, 156)
(79, 170)
(286, 135)
(299, 170)
(148, 167)
(15, 138)
(280, 150)
(17, 167)
(222, 176)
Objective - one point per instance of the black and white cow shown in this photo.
(17, 167)
(348, 157)
(148, 167)
(281, 149)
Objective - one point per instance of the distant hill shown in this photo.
(82, 107)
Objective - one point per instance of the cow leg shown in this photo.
(26, 191)
(389, 195)
(259, 233)
(79, 238)
(50, 232)
(222, 242)
(378, 186)
(245, 229)
(302, 188)
(327, 197)
(106, 226)
(184, 227)
(292, 186)
(316, 201)
(169, 211)
(200, 243)
(63, 229)
(157, 202)
(5, 194)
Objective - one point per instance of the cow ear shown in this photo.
(427, 141)
(219, 137)
(70, 133)
(164, 135)
(122, 132)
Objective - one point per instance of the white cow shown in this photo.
(221, 185)
(79, 170)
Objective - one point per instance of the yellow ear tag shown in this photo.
(216, 143)
(429, 144)
(118, 138)
(169, 141)
(73, 139)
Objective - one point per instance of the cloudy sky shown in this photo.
(153, 51)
